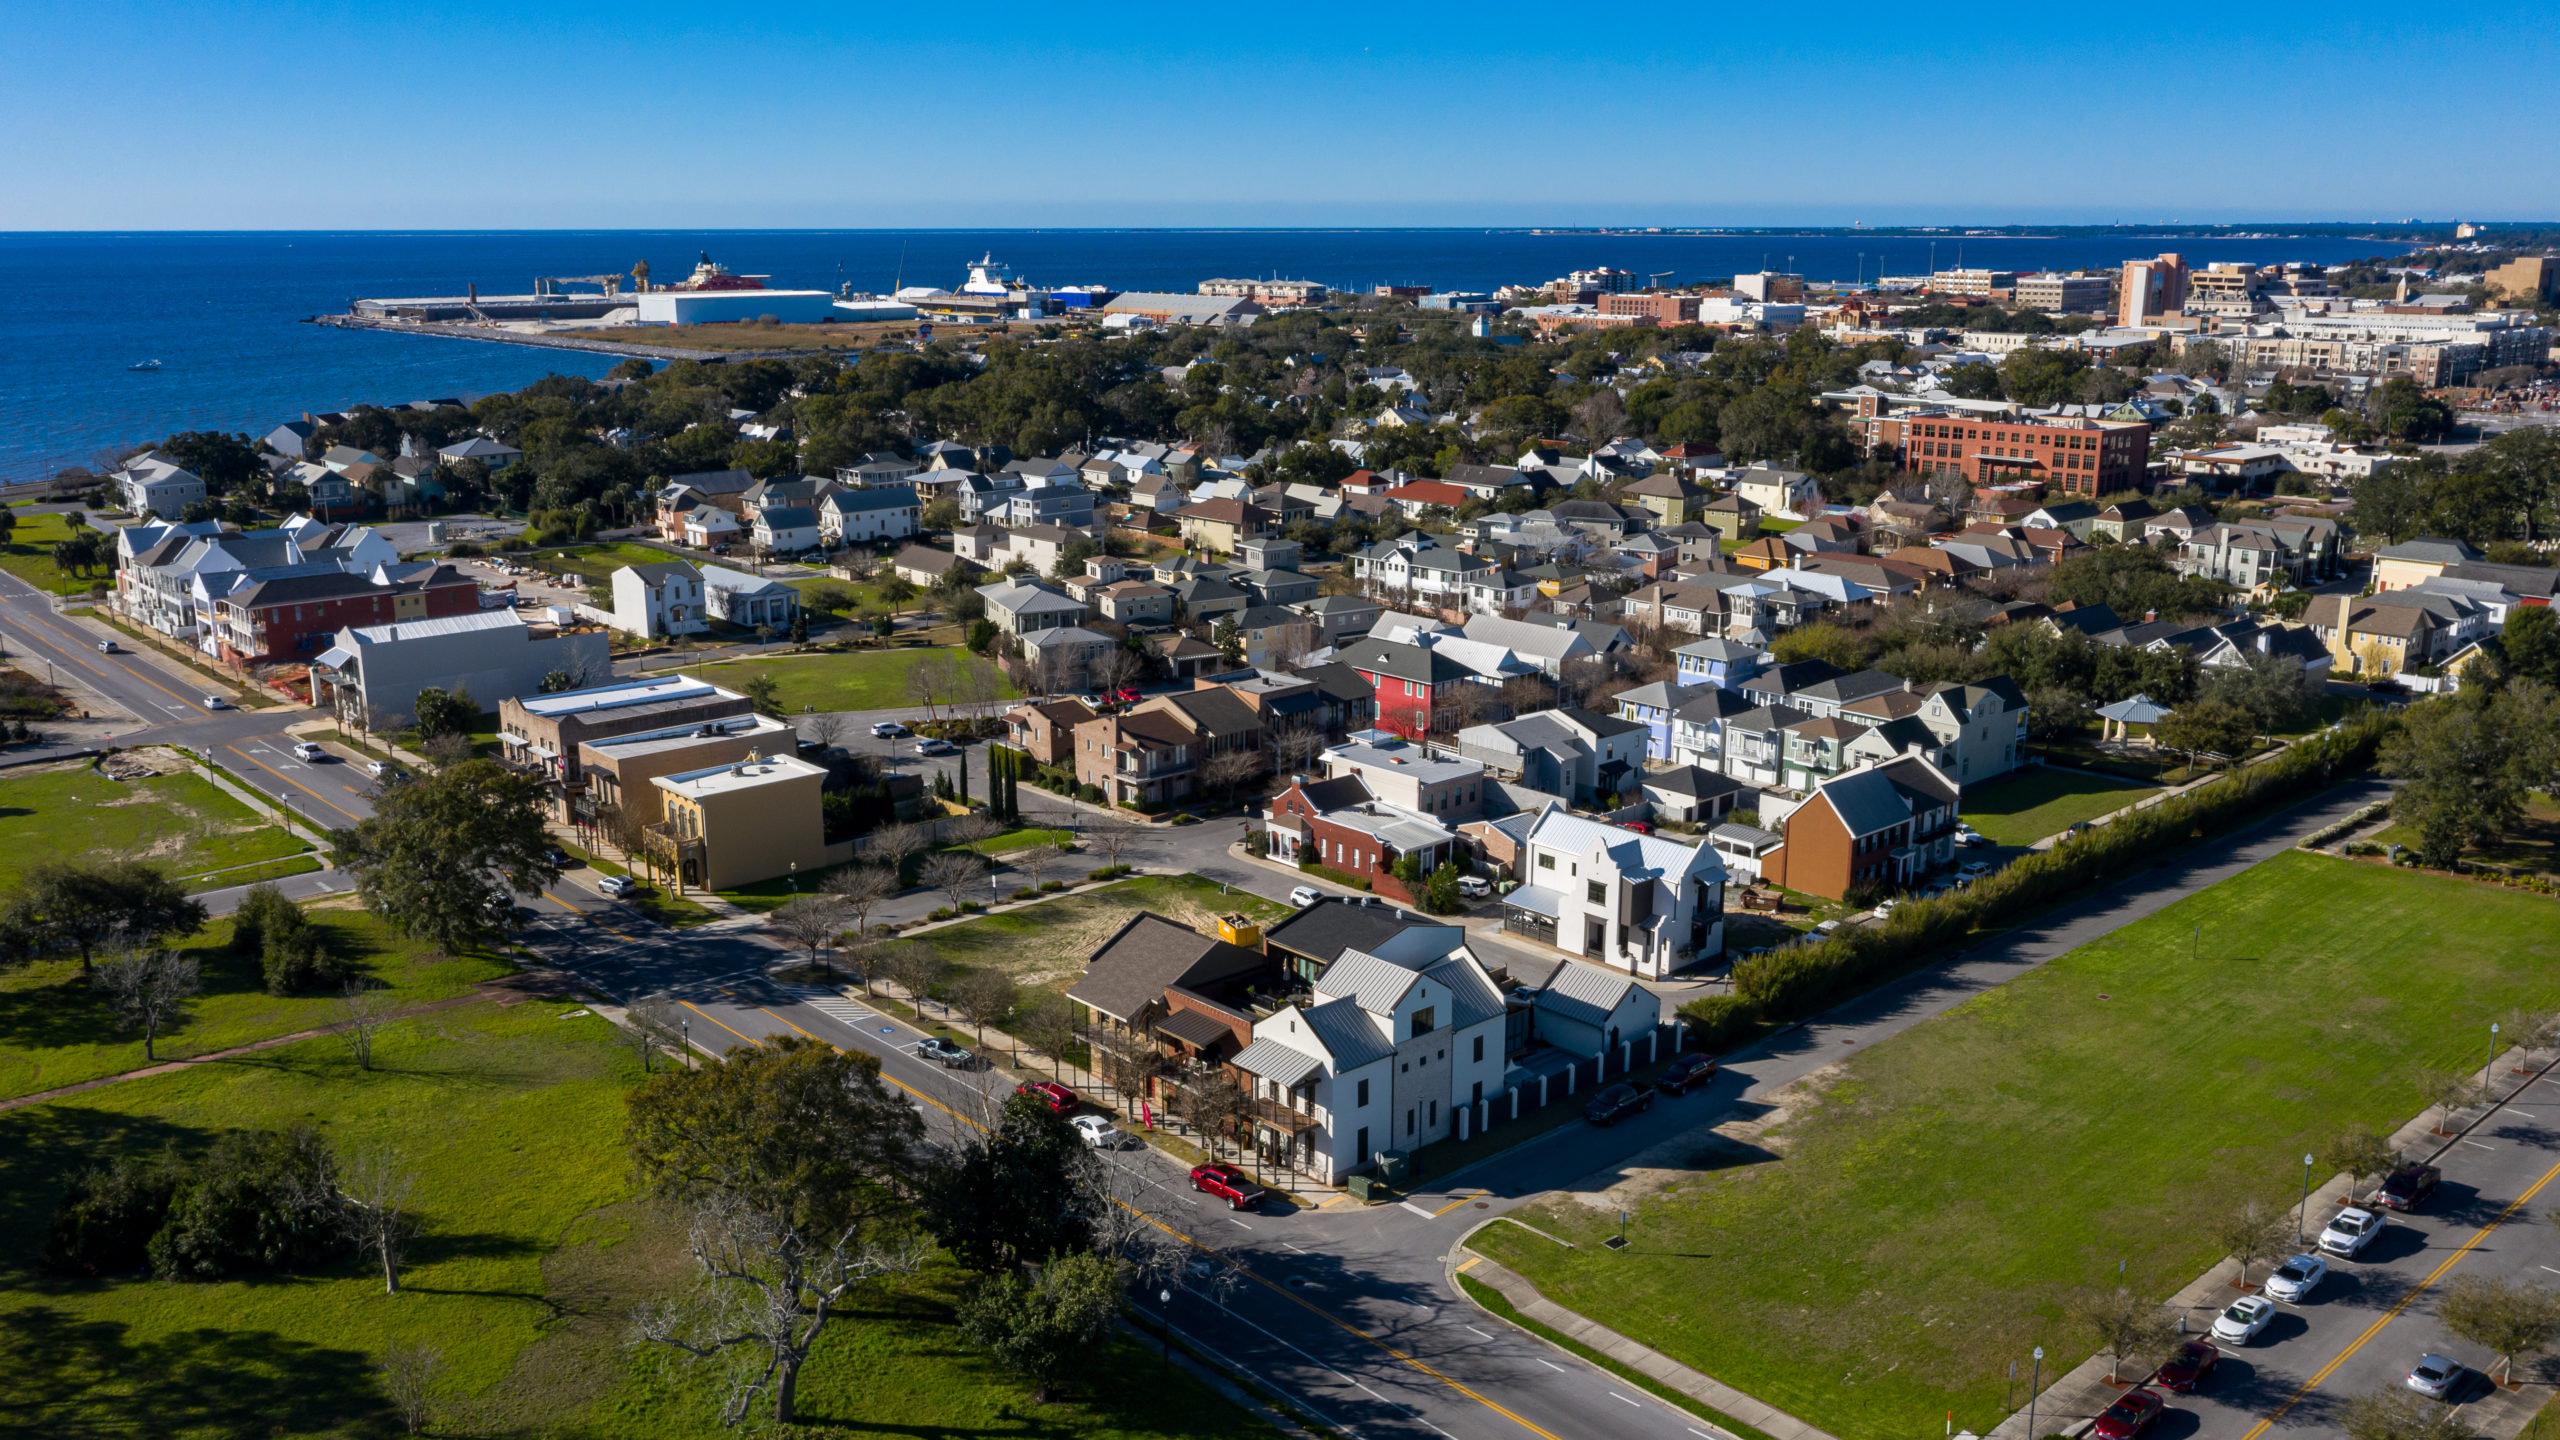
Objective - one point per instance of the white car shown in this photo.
(216, 702)
(1100, 1134)
(1884, 907)
(1304, 896)
(1474, 887)
(1975, 871)
(617, 885)
(932, 746)
(2434, 1376)
(888, 730)
(376, 768)
(1968, 837)
(2350, 1233)
(2295, 1279)
(2241, 1323)
(308, 750)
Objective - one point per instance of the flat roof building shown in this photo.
(750, 820)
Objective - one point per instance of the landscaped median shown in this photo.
(1791, 983)
(1875, 1250)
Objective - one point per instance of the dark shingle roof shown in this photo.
(1129, 972)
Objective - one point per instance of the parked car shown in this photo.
(1615, 1103)
(951, 1056)
(2126, 1418)
(107, 647)
(216, 702)
(1641, 827)
(1968, 837)
(2187, 1367)
(2350, 1232)
(1092, 702)
(2435, 1376)
(1057, 1097)
(1227, 1183)
(1100, 1134)
(1124, 696)
(2296, 1278)
(1884, 907)
(309, 750)
(888, 730)
(618, 886)
(2240, 1322)
(562, 858)
(1474, 887)
(376, 767)
(1975, 871)
(1687, 1073)
(2408, 1187)
(1304, 896)
(931, 746)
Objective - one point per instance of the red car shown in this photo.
(1059, 1098)
(1641, 827)
(1125, 696)
(2133, 1410)
(1687, 1073)
(2185, 1370)
(1227, 1183)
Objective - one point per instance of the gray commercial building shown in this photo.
(494, 654)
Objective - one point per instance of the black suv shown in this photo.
(2407, 1186)
(1688, 1073)
(1607, 1107)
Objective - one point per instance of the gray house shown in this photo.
(375, 670)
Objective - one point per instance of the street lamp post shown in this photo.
(2302, 1217)
(1164, 1298)
(795, 879)
(2493, 1052)
(2033, 1383)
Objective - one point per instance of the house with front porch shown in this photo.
(1879, 827)
(1642, 904)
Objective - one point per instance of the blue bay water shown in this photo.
(223, 312)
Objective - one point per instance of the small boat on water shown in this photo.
(144, 365)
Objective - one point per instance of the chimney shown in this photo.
(2150, 617)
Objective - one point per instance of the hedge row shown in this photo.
(1778, 986)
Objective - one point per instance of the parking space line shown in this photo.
(2476, 1145)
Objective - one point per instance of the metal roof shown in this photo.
(1270, 1060)
(1585, 992)
(1347, 1033)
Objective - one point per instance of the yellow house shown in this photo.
(749, 820)
(2414, 562)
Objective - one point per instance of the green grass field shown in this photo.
(533, 1254)
(861, 680)
(2023, 808)
(55, 1030)
(595, 562)
(1920, 1222)
(28, 554)
(183, 823)
(1044, 946)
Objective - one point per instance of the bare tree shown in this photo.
(892, 844)
(2453, 1090)
(450, 748)
(1048, 1027)
(1466, 705)
(360, 1014)
(2125, 1326)
(2530, 1029)
(2253, 1232)
(378, 1184)
(953, 872)
(915, 968)
(924, 686)
(2506, 1319)
(1578, 677)
(649, 1026)
(1035, 858)
(1111, 836)
(150, 989)
(809, 921)
(2397, 1414)
(1524, 693)
(984, 997)
(409, 1373)
(971, 830)
(1216, 1105)
(767, 1289)
(822, 729)
(861, 888)
(1229, 768)
(1112, 670)
(1287, 645)
(2362, 1155)
(1296, 747)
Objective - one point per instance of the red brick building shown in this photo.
(1663, 309)
(293, 617)
(2073, 457)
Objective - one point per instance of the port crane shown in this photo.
(550, 284)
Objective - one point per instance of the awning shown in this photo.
(1273, 1061)
(336, 657)
(1537, 901)
(1195, 1028)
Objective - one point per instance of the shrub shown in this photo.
(1025, 893)
(1053, 885)
(262, 910)
(1718, 1021)
(105, 1221)
(297, 961)
(259, 1200)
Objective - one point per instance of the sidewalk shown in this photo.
(2074, 1399)
(1653, 1364)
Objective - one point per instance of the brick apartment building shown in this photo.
(1663, 309)
(294, 617)
(2075, 457)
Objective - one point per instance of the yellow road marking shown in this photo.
(2393, 1313)
(1461, 1200)
(87, 642)
(1472, 1262)
(714, 1019)
(289, 780)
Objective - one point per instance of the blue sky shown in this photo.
(225, 115)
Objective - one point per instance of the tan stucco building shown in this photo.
(619, 771)
(750, 820)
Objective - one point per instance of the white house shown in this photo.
(661, 599)
(1637, 902)
(708, 527)
(1383, 1055)
(787, 529)
(1786, 494)
(870, 516)
(153, 484)
(749, 600)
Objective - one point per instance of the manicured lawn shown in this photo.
(55, 1030)
(2023, 808)
(28, 554)
(1919, 1223)
(182, 823)
(595, 562)
(253, 874)
(1020, 840)
(532, 1256)
(860, 680)
(1044, 946)
(2532, 844)
(766, 895)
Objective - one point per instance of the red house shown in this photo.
(292, 617)
(1338, 823)
(1409, 681)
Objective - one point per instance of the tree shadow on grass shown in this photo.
(62, 1375)
(43, 1147)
